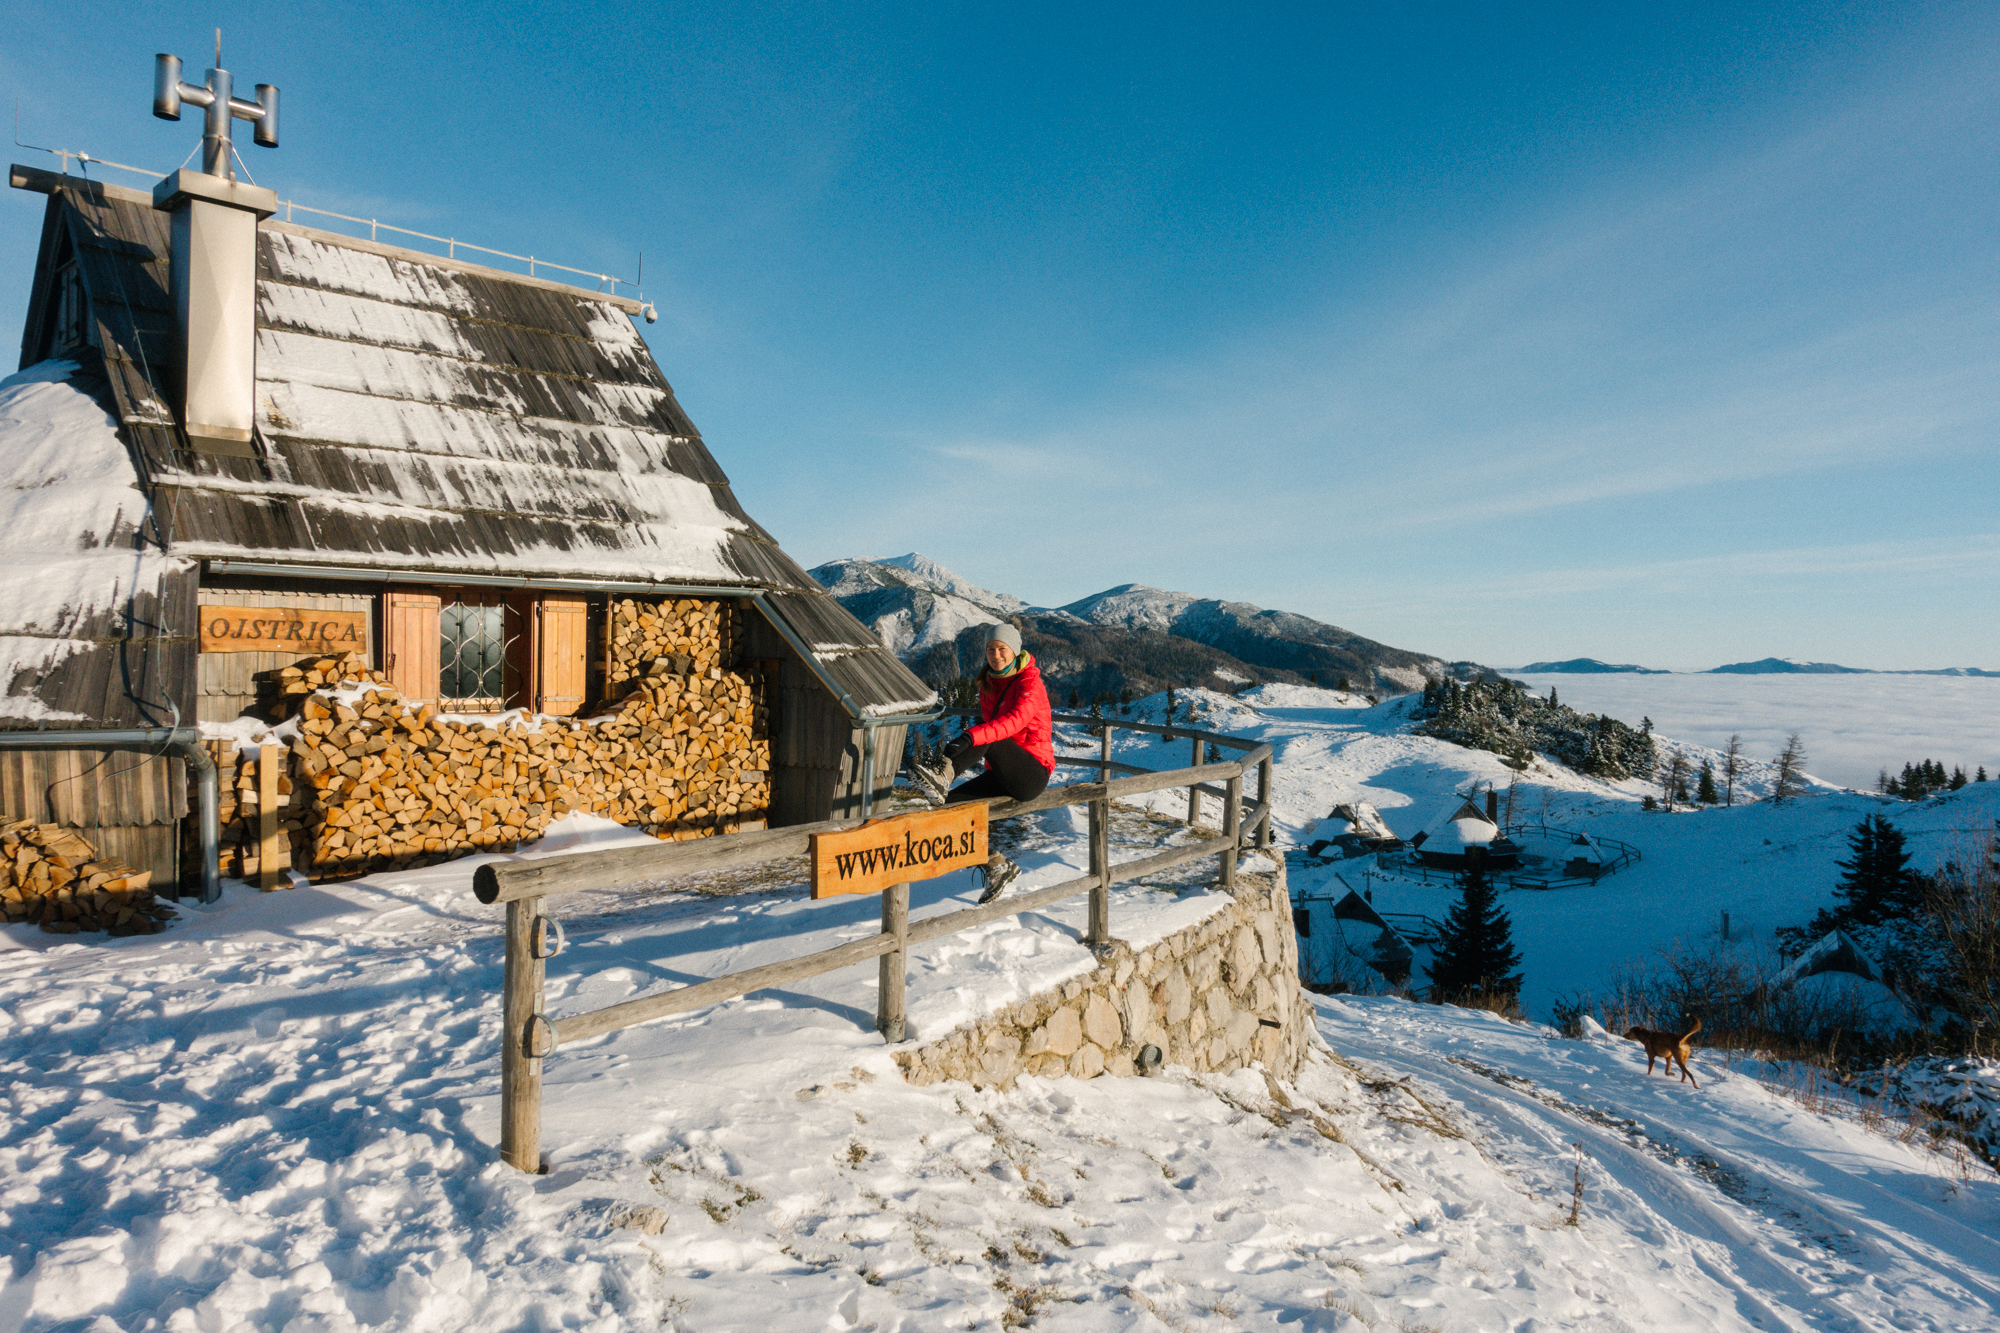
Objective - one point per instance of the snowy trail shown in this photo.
(1815, 1223)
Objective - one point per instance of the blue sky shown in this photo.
(1663, 334)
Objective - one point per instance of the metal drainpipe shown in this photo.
(184, 741)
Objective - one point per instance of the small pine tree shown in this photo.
(1553, 702)
(1476, 949)
(1732, 767)
(1705, 790)
(1344, 686)
(1980, 776)
(1073, 700)
(1957, 778)
(1791, 772)
(1878, 884)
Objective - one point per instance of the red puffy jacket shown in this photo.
(1016, 706)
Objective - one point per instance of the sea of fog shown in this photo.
(1852, 726)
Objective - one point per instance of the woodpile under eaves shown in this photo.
(373, 781)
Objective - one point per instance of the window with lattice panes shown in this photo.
(479, 635)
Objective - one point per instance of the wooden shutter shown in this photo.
(410, 642)
(562, 641)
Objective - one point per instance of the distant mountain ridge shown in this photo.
(1763, 666)
(1786, 666)
(1588, 666)
(1131, 637)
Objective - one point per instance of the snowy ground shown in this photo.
(282, 1114)
(1766, 866)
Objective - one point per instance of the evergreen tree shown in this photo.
(1878, 884)
(1791, 772)
(1957, 778)
(1980, 776)
(1705, 790)
(1553, 702)
(1476, 951)
(1732, 766)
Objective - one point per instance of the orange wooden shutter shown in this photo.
(410, 642)
(562, 642)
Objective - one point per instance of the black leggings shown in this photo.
(1010, 771)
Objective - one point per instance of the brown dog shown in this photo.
(1668, 1046)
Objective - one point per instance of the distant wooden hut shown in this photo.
(464, 476)
(1463, 834)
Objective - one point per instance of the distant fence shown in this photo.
(528, 1036)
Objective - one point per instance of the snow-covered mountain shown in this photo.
(1131, 637)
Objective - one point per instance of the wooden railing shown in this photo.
(528, 1036)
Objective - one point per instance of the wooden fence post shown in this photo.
(522, 1041)
(895, 963)
(1194, 790)
(1232, 826)
(268, 837)
(1104, 769)
(1264, 801)
(1100, 866)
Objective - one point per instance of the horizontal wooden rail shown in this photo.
(581, 1027)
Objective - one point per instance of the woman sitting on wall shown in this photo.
(1012, 739)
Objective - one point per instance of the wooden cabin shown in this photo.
(470, 494)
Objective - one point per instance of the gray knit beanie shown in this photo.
(1006, 634)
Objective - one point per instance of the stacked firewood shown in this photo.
(694, 636)
(52, 875)
(377, 782)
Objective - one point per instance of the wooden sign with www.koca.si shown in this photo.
(898, 850)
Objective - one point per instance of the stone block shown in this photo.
(1048, 1066)
(1245, 958)
(1267, 938)
(1243, 1028)
(1176, 996)
(1197, 1028)
(1101, 1023)
(1135, 1005)
(1120, 1066)
(1216, 1002)
(1088, 1062)
(1263, 999)
(1205, 969)
(1064, 1032)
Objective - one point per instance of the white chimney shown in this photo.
(215, 259)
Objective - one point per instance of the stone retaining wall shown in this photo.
(1215, 997)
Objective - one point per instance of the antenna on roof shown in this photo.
(216, 151)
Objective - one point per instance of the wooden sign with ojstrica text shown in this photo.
(898, 850)
(282, 629)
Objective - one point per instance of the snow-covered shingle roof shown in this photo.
(414, 415)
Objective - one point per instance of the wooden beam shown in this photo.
(895, 969)
(268, 839)
(596, 1023)
(520, 1058)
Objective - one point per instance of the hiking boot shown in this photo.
(933, 778)
(1000, 872)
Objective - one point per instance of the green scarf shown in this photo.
(1021, 659)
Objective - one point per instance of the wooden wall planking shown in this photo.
(95, 788)
(224, 682)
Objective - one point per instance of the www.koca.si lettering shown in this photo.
(912, 851)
